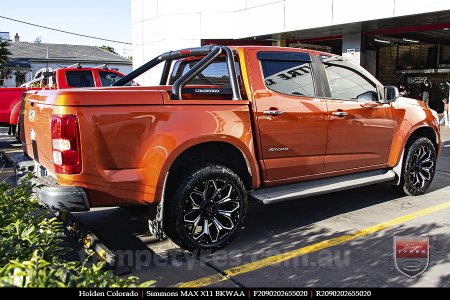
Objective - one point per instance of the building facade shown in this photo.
(30, 57)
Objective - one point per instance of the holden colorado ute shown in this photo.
(225, 125)
(62, 78)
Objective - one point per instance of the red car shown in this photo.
(64, 78)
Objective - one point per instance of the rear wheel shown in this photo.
(207, 209)
(16, 132)
(419, 167)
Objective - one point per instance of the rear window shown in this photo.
(215, 74)
(80, 79)
(109, 78)
(288, 77)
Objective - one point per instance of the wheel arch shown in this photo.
(233, 154)
(221, 152)
(420, 131)
(425, 131)
(14, 116)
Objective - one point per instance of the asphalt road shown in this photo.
(343, 239)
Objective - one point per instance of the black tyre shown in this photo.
(419, 167)
(206, 209)
(17, 132)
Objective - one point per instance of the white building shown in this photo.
(163, 25)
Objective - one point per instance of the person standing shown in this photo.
(445, 119)
(425, 94)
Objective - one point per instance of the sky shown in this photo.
(110, 19)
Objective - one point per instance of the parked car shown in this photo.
(63, 78)
(224, 125)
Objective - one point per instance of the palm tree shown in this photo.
(20, 76)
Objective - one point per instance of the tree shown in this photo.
(4, 53)
(108, 49)
(20, 77)
(5, 73)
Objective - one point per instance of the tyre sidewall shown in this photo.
(408, 186)
(183, 192)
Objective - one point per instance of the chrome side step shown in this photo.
(321, 186)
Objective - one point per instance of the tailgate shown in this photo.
(36, 130)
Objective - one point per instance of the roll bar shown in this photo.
(210, 53)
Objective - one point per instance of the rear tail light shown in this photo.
(66, 144)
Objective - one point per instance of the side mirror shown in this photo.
(368, 96)
(390, 93)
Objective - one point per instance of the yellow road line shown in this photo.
(272, 260)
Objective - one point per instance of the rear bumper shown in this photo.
(60, 197)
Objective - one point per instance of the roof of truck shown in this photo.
(277, 48)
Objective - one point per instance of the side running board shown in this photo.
(321, 186)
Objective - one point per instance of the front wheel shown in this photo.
(207, 208)
(419, 167)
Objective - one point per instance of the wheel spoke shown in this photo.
(426, 174)
(227, 197)
(228, 228)
(195, 212)
(427, 161)
(230, 211)
(417, 180)
(194, 227)
(194, 196)
(210, 189)
(219, 228)
(218, 190)
(227, 216)
(424, 152)
(422, 180)
(206, 228)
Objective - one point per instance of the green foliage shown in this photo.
(4, 52)
(31, 252)
(108, 49)
(20, 76)
(5, 73)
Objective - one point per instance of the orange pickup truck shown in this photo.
(226, 124)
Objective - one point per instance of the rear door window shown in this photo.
(289, 77)
(80, 79)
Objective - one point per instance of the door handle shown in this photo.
(273, 112)
(339, 113)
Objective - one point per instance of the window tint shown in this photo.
(215, 74)
(80, 78)
(289, 77)
(109, 78)
(349, 82)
